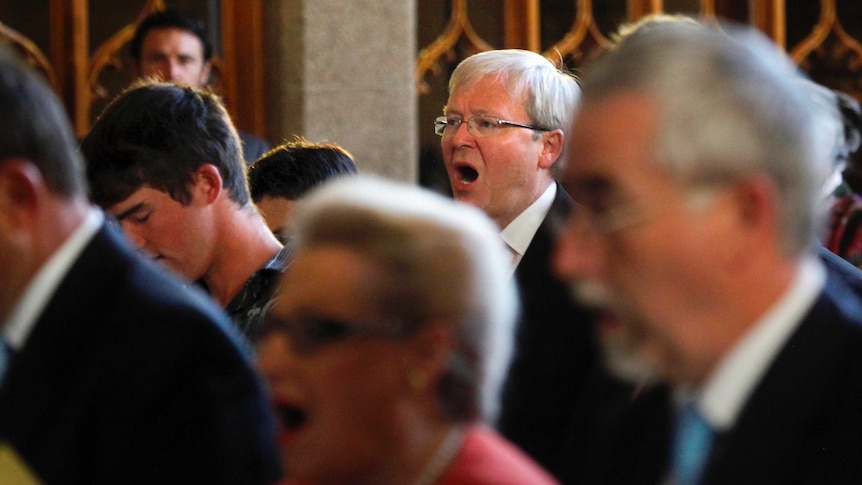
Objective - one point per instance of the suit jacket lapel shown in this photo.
(537, 257)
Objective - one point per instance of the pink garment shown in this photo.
(486, 458)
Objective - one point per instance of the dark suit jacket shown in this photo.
(556, 394)
(252, 147)
(128, 377)
(840, 268)
(801, 425)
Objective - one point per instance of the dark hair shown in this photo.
(166, 19)
(158, 134)
(293, 168)
(36, 127)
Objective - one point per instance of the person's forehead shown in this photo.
(614, 134)
(322, 274)
(144, 195)
(487, 93)
(160, 37)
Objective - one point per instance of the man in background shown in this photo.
(503, 134)
(283, 175)
(111, 371)
(172, 45)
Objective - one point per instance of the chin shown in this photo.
(625, 359)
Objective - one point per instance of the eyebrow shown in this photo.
(128, 212)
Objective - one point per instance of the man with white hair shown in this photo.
(503, 135)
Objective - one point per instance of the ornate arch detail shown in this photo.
(459, 26)
(583, 29)
(829, 48)
(108, 54)
(32, 54)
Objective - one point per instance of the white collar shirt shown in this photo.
(519, 233)
(728, 388)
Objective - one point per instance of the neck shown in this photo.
(442, 456)
(503, 220)
(51, 228)
(243, 244)
(424, 452)
(744, 305)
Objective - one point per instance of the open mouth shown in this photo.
(292, 417)
(466, 174)
(608, 321)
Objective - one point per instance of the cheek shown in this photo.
(646, 267)
(517, 160)
(357, 410)
(366, 381)
(164, 234)
(185, 230)
(668, 274)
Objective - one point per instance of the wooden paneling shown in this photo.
(70, 42)
(243, 51)
(522, 30)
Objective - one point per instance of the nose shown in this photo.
(133, 235)
(577, 252)
(174, 71)
(275, 356)
(463, 135)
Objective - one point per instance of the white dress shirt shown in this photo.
(729, 386)
(518, 234)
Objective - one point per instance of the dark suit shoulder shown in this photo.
(557, 397)
(148, 380)
(803, 419)
(253, 147)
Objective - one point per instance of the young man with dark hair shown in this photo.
(164, 160)
(287, 172)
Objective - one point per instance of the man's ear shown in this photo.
(432, 350)
(21, 184)
(207, 183)
(755, 220)
(206, 72)
(552, 148)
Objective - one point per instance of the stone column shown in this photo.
(341, 71)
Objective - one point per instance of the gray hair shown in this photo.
(550, 94)
(36, 127)
(441, 260)
(729, 105)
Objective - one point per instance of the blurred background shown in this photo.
(371, 75)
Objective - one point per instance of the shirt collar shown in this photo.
(518, 234)
(730, 385)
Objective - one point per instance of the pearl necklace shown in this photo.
(442, 457)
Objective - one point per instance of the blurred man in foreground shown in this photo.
(111, 371)
(694, 159)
